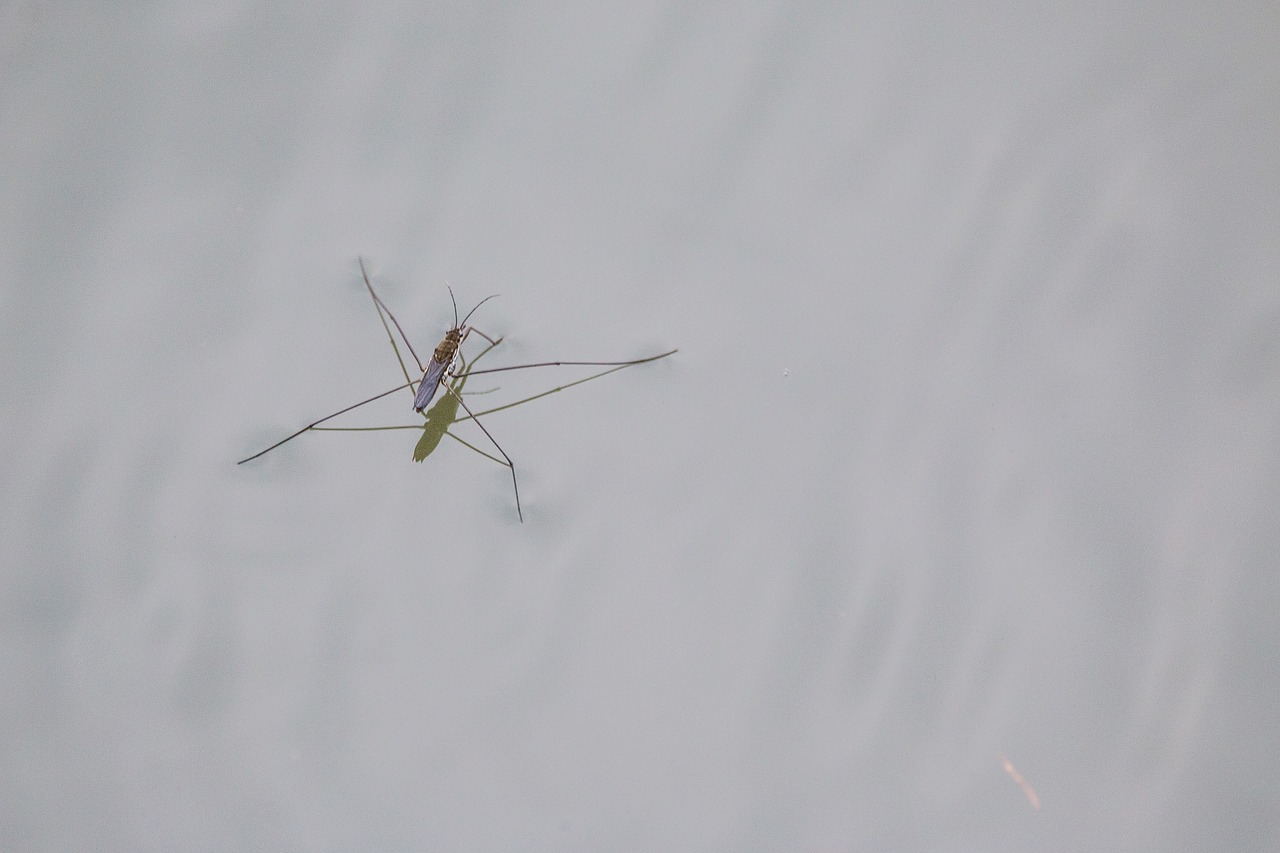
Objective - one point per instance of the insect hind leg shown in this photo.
(515, 484)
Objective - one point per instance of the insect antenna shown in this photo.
(473, 310)
(455, 307)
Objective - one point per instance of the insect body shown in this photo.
(446, 354)
(442, 361)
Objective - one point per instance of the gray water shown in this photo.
(968, 454)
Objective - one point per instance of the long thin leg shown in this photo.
(382, 306)
(322, 420)
(580, 363)
(514, 484)
(546, 393)
(480, 414)
(482, 334)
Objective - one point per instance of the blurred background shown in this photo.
(950, 527)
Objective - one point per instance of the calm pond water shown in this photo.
(951, 526)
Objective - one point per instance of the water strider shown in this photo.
(446, 368)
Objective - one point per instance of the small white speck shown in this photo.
(786, 371)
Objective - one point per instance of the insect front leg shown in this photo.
(471, 329)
